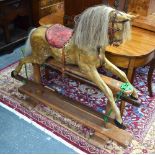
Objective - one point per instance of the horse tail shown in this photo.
(28, 48)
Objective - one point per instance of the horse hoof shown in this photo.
(14, 73)
(134, 98)
(119, 125)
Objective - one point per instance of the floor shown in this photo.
(19, 136)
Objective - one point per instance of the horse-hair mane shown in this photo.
(91, 30)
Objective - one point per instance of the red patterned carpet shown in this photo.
(140, 120)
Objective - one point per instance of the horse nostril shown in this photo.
(116, 44)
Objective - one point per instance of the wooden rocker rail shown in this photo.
(78, 112)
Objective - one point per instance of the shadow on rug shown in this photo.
(139, 120)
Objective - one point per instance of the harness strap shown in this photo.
(63, 61)
(112, 31)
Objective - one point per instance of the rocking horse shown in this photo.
(84, 46)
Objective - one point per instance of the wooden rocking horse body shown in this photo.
(97, 27)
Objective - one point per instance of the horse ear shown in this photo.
(124, 16)
(131, 16)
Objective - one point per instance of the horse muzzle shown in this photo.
(117, 43)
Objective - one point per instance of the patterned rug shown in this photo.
(140, 120)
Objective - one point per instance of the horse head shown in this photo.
(101, 26)
(119, 29)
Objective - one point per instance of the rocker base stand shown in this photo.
(78, 112)
(75, 110)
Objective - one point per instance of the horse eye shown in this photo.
(117, 29)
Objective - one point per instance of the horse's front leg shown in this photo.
(93, 75)
(116, 71)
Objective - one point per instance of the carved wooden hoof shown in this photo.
(119, 125)
(14, 74)
(132, 100)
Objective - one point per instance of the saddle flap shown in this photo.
(58, 35)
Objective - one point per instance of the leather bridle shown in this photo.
(112, 30)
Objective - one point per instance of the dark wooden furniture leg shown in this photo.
(150, 74)
(131, 70)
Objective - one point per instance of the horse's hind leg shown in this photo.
(29, 59)
(92, 74)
